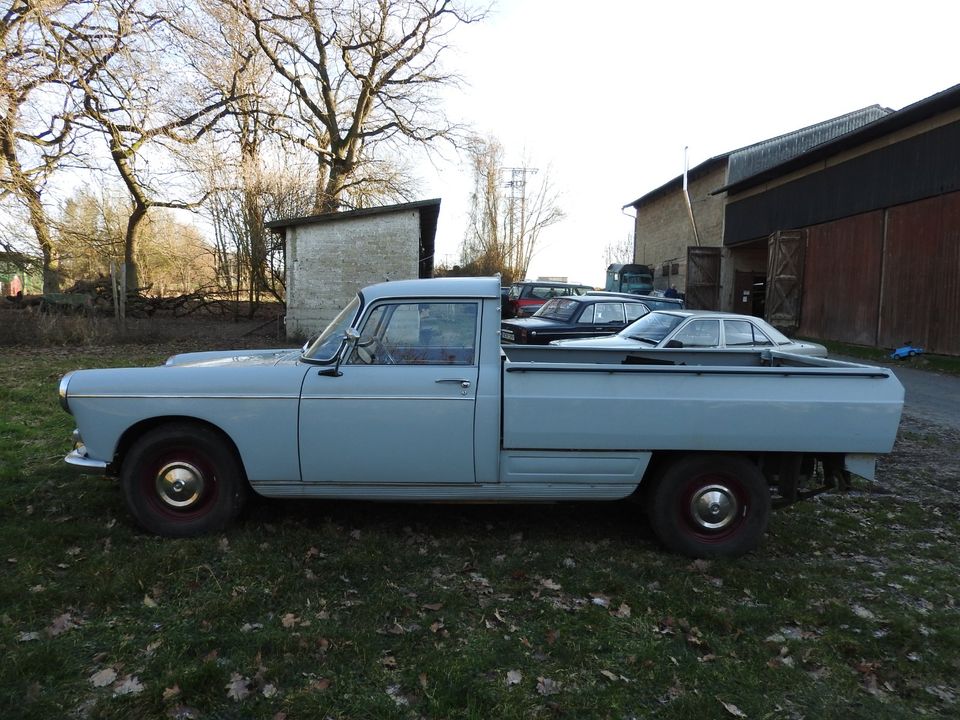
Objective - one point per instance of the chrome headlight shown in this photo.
(62, 391)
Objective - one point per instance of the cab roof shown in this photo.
(457, 287)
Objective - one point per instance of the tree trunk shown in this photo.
(41, 227)
(131, 244)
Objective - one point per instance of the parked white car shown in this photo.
(699, 329)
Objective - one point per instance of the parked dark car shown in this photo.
(654, 302)
(526, 297)
(575, 316)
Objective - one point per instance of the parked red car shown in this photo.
(526, 297)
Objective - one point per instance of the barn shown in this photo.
(330, 256)
(848, 230)
(862, 233)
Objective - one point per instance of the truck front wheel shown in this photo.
(182, 480)
(710, 506)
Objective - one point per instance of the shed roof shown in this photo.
(427, 208)
(892, 121)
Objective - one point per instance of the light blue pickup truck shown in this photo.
(408, 395)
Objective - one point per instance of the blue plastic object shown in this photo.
(906, 351)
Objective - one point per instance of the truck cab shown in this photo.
(629, 278)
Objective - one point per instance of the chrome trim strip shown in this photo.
(384, 397)
(78, 459)
(62, 390)
(171, 396)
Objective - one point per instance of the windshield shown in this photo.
(652, 327)
(325, 347)
(557, 309)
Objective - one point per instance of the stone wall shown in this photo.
(662, 230)
(327, 262)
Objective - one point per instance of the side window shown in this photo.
(428, 333)
(699, 333)
(742, 333)
(608, 313)
(635, 311)
(586, 317)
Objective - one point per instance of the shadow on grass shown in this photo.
(574, 521)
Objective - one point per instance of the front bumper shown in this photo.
(78, 459)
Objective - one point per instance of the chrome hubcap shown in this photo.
(179, 485)
(713, 507)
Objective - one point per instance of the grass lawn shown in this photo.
(351, 610)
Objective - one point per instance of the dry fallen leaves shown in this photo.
(238, 688)
(622, 612)
(103, 678)
(514, 677)
(546, 686)
(63, 623)
(289, 620)
(732, 709)
(129, 685)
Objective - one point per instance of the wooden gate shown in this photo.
(785, 255)
(703, 278)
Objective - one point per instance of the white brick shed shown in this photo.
(329, 257)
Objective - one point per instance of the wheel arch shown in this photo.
(662, 460)
(141, 428)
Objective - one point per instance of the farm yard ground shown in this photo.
(336, 609)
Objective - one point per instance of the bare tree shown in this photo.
(147, 100)
(36, 117)
(619, 251)
(509, 208)
(361, 77)
(89, 237)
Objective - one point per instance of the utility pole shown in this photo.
(518, 186)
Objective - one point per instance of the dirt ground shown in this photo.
(924, 464)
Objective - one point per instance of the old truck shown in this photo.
(409, 396)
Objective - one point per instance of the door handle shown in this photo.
(465, 384)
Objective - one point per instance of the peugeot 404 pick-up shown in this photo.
(408, 396)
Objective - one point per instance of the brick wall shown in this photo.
(329, 261)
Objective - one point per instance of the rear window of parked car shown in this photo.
(545, 292)
(557, 309)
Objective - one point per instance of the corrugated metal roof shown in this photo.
(677, 182)
(943, 101)
(754, 159)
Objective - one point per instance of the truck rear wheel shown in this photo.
(710, 506)
(183, 480)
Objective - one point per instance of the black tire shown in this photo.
(183, 480)
(710, 506)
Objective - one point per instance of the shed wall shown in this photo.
(328, 262)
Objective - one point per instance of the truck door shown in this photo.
(403, 409)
